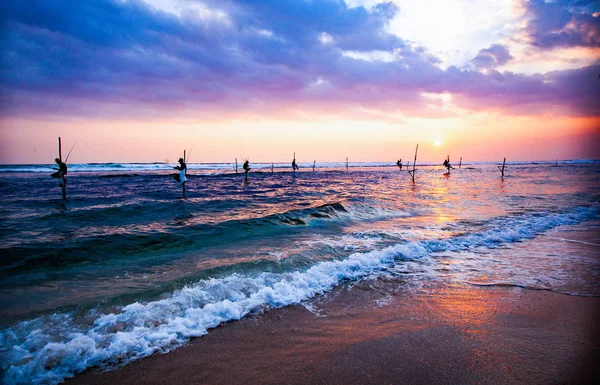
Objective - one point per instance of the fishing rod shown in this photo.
(189, 155)
(69, 154)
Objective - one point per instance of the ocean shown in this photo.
(125, 268)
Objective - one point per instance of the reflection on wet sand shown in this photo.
(379, 332)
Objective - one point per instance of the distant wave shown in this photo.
(230, 167)
(50, 348)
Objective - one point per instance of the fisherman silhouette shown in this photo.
(180, 177)
(447, 164)
(246, 168)
(62, 170)
(294, 165)
(399, 163)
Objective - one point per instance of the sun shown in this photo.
(437, 143)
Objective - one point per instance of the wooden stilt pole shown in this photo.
(236, 170)
(62, 177)
(64, 187)
(346, 164)
(272, 167)
(314, 164)
(412, 173)
(460, 162)
(185, 174)
(502, 169)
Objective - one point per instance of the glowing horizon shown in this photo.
(326, 79)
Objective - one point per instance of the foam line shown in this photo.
(50, 348)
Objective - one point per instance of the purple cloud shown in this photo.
(568, 92)
(494, 56)
(75, 57)
(563, 23)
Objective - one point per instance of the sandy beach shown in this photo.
(374, 332)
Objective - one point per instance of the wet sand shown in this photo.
(377, 332)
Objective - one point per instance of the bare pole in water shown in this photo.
(460, 162)
(236, 166)
(412, 173)
(184, 174)
(502, 169)
(272, 166)
(62, 177)
(346, 164)
(314, 164)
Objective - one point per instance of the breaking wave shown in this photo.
(50, 348)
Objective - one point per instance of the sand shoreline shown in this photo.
(376, 332)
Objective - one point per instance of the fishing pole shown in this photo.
(69, 154)
(189, 155)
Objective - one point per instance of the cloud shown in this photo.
(568, 92)
(225, 57)
(563, 23)
(496, 55)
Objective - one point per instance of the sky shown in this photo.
(140, 81)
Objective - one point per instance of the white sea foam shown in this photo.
(50, 348)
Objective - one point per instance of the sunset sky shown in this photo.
(139, 81)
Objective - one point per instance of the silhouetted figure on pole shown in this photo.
(294, 165)
(62, 174)
(448, 165)
(180, 177)
(399, 163)
(246, 168)
(62, 170)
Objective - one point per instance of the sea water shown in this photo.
(124, 268)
